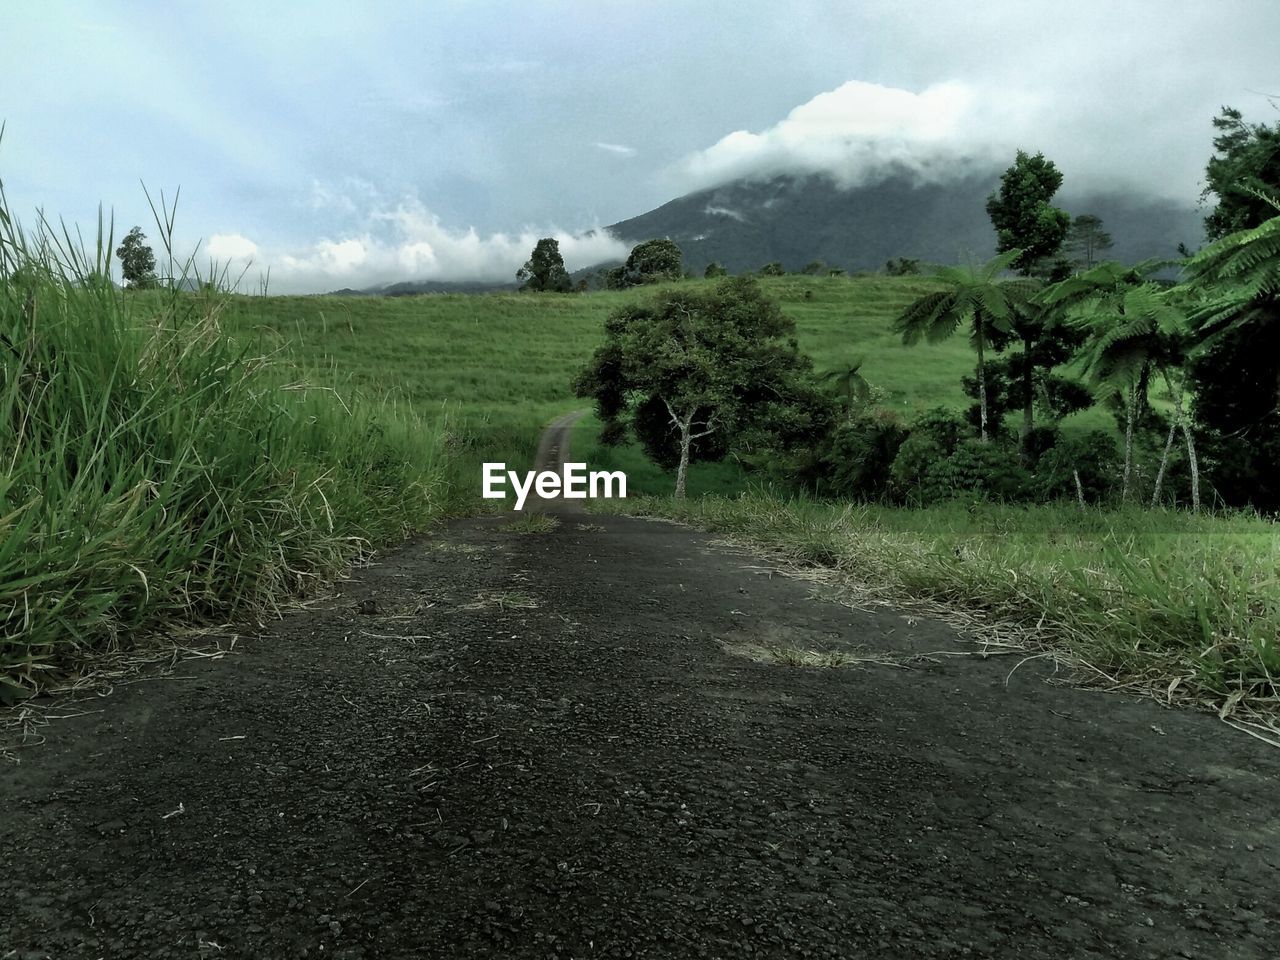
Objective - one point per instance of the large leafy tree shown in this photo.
(653, 261)
(718, 368)
(545, 270)
(1244, 169)
(975, 298)
(1022, 215)
(137, 261)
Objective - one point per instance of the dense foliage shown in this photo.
(545, 270)
(718, 369)
(137, 261)
(1022, 215)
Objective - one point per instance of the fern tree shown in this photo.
(976, 299)
(1235, 286)
(1238, 279)
(853, 389)
(1133, 328)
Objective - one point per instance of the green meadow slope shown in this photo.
(501, 364)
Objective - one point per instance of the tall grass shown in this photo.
(1163, 598)
(152, 471)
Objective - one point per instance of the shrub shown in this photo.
(861, 454)
(988, 469)
(1094, 455)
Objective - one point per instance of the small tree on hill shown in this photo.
(718, 368)
(1022, 215)
(902, 267)
(715, 269)
(773, 269)
(544, 270)
(651, 262)
(137, 262)
(1086, 241)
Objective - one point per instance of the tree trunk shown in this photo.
(1194, 465)
(1075, 473)
(1028, 414)
(1192, 461)
(1164, 461)
(1130, 414)
(982, 386)
(686, 440)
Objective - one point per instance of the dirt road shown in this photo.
(551, 745)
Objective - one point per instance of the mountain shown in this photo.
(409, 288)
(748, 223)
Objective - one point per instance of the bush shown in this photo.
(1094, 455)
(988, 469)
(933, 436)
(861, 454)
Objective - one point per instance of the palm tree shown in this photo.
(1133, 329)
(975, 299)
(850, 384)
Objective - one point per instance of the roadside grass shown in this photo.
(156, 474)
(1181, 606)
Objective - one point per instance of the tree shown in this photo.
(853, 388)
(1022, 215)
(1087, 241)
(813, 268)
(715, 269)
(652, 262)
(1132, 328)
(719, 365)
(137, 262)
(544, 271)
(773, 269)
(974, 298)
(902, 266)
(1243, 170)
(1236, 375)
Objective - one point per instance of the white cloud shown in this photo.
(858, 133)
(230, 246)
(725, 212)
(616, 148)
(408, 242)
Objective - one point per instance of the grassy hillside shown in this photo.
(502, 363)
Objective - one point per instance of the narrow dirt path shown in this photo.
(549, 745)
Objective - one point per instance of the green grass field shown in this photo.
(502, 364)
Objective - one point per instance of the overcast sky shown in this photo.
(350, 143)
